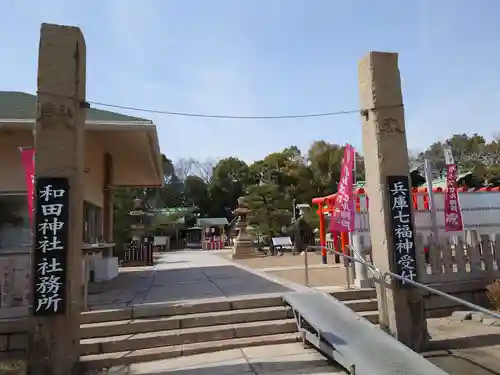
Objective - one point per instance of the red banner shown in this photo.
(452, 213)
(343, 215)
(28, 160)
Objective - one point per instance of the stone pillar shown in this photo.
(59, 143)
(362, 280)
(107, 215)
(385, 153)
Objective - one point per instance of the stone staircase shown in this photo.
(160, 331)
(361, 301)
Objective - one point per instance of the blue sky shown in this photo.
(270, 57)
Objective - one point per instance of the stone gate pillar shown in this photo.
(59, 143)
(386, 154)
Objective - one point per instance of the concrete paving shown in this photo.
(469, 348)
(292, 269)
(181, 276)
(286, 359)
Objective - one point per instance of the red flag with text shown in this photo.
(28, 161)
(452, 213)
(343, 214)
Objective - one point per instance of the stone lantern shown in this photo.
(243, 244)
(137, 224)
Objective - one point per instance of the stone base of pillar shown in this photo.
(364, 283)
(13, 367)
(243, 248)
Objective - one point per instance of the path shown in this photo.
(181, 276)
(287, 359)
(291, 268)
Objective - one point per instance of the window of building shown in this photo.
(92, 223)
(15, 233)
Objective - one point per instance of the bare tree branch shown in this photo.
(192, 167)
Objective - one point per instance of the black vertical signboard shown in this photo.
(403, 235)
(50, 245)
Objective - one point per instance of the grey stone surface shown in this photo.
(286, 359)
(178, 277)
(491, 322)
(478, 342)
(457, 366)
(477, 317)
(18, 341)
(461, 315)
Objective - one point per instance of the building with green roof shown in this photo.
(120, 150)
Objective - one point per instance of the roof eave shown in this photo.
(95, 125)
(90, 124)
(156, 157)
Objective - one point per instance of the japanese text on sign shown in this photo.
(51, 238)
(402, 226)
(452, 213)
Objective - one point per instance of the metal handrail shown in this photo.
(384, 320)
(413, 283)
(361, 259)
(468, 304)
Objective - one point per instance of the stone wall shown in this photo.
(15, 285)
(13, 338)
(15, 290)
(471, 291)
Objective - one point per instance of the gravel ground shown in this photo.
(291, 268)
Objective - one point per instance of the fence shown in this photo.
(212, 245)
(480, 211)
(453, 259)
(456, 260)
(382, 279)
(138, 253)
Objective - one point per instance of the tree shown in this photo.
(171, 194)
(197, 193)
(123, 204)
(289, 170)
(192, 167)
(274, 182)
(325, 161)
(230, 178)
(470, 153)
(268, 208)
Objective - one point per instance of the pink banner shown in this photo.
(343, 215)
(28, 160)
(452, 213)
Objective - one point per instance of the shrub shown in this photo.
(493, 294)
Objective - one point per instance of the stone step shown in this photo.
(93, 362)
(173, 337)
(361, 305)
(188, 307)
(144, 325)
(354, 294)
(371, 316)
